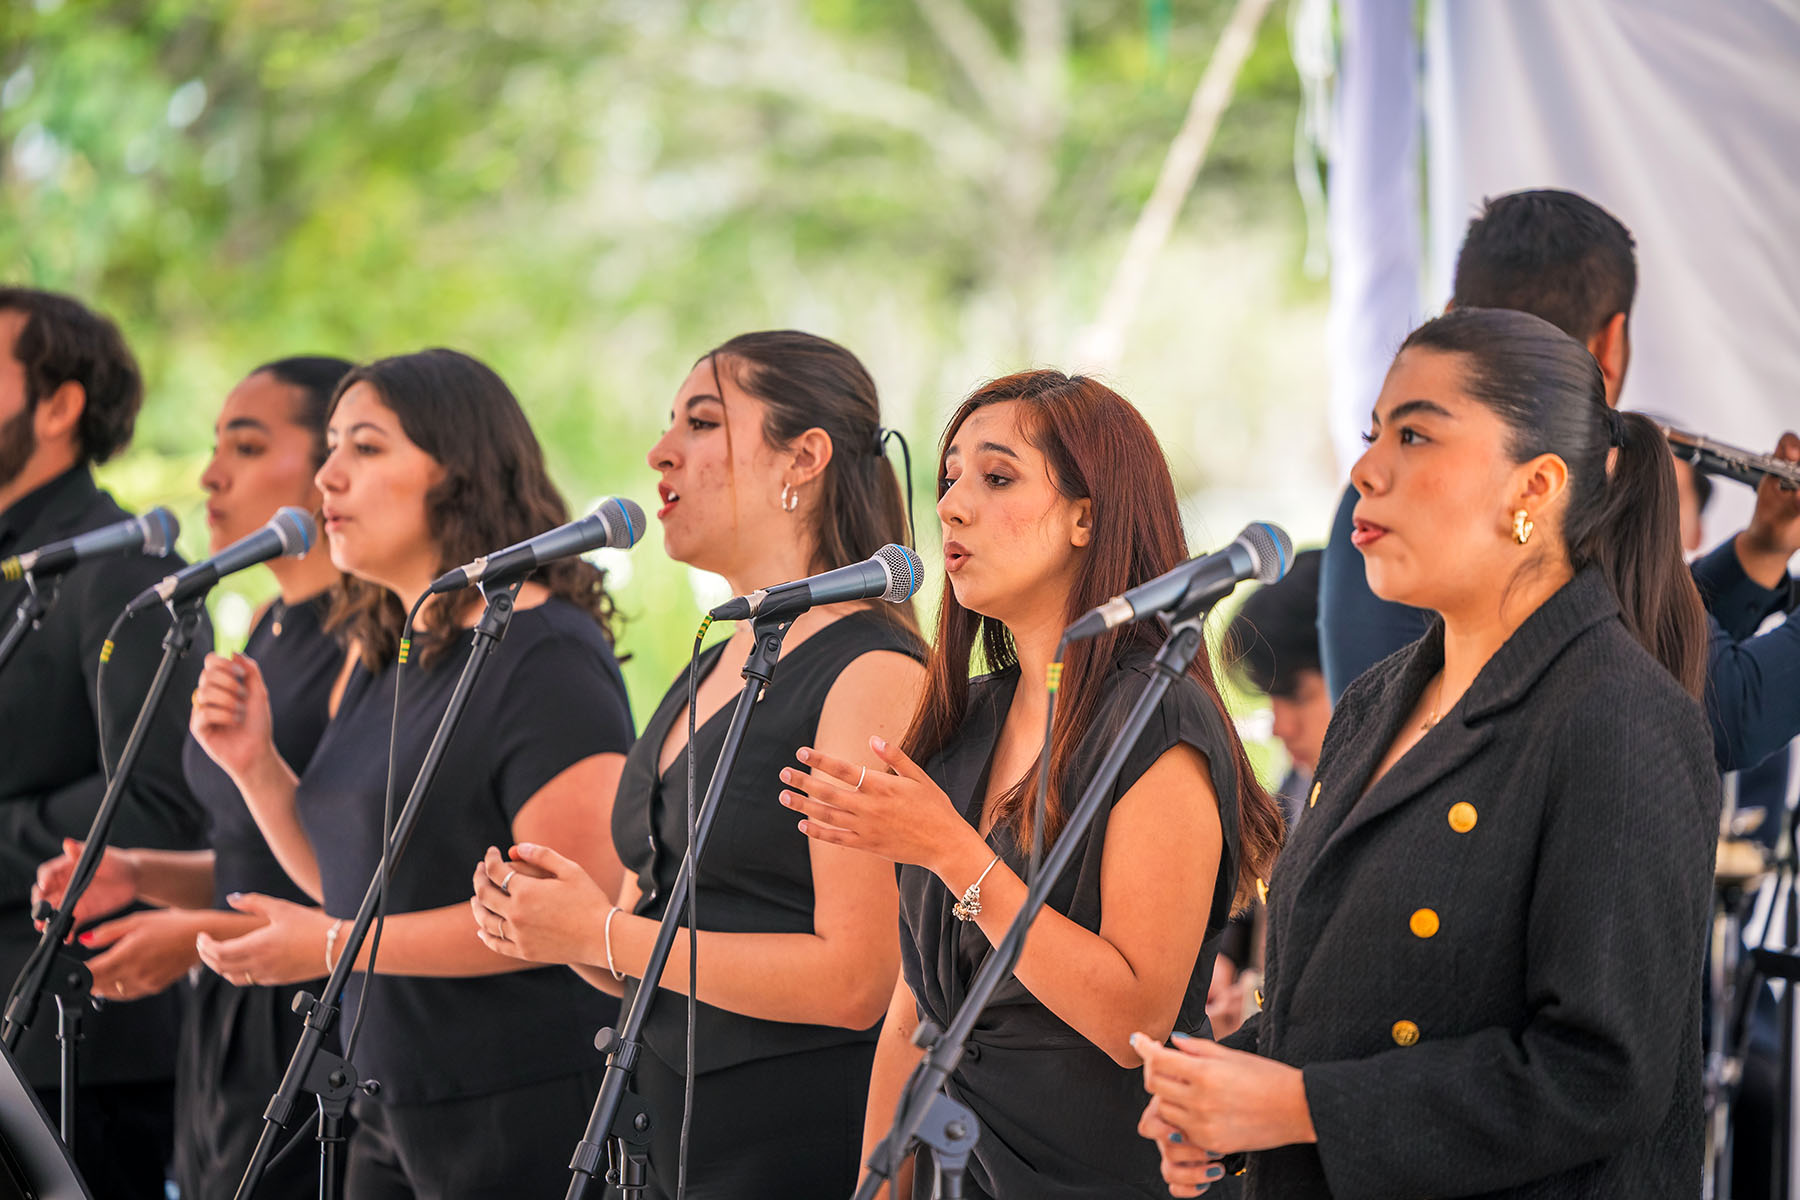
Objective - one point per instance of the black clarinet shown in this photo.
(1716, 458)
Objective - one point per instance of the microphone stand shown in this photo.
(331, 1077)
(50, 968)
(618, 1114)
(925, 1113)
(39, 596)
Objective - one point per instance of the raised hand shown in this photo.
(898, 814)
(230, 717)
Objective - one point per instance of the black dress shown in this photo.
(778, 1106)
(481, 1078)
(1058, 1116)
(1487, 965)
(236, 1041)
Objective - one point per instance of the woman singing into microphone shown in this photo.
(772, 469)
(1485, 937)
(487, 1070)
(1054, 498)
(235, 1041)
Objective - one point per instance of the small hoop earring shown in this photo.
(790, 498)
(1522, 526)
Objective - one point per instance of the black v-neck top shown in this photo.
(1058, 1116)
(550, 696)
(756, 874)
(299, 663)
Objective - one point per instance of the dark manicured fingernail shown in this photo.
(1175, 1136)
(1214, 1174)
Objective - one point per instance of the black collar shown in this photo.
(68, 493)
(1579, 605)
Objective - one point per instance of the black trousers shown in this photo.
(235, 1046)
(787, 1127)
(124, 1133)
(509, 1145)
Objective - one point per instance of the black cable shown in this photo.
(387, 838)
(1041, 807)
(912, 535)
(693, 926)
(106, 652)
(298, 1136)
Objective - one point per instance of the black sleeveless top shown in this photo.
(299, 663)
(756, 874)
(1058, 1115)
(550, 696)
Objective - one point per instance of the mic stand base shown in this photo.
(625, 1045)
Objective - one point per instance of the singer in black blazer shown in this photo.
(1488, 966)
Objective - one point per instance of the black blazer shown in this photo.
(1489, 965)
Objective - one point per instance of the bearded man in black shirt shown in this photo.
(69, 397)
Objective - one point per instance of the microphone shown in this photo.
(616, 523)
(289, 532)
(153, 534)
(1263, 552)
(892, 573)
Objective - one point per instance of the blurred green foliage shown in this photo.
(589, 194)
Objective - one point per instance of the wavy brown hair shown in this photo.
(495, 491)
(1099, 448)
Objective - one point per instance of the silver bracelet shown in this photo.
(609, 958)
(969, 907)
(331, 937)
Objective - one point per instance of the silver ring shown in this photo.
(249, 979)
(859, 780)
(502, 884)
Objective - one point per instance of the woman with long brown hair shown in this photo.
(1483, 964)
(486, 1067)
(771, 469)
(1054, 497)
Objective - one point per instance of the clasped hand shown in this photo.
(539, 906)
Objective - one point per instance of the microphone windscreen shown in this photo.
(294, 526)
(904, 571)
(1272, 548)
(160, 531)
(624, 521)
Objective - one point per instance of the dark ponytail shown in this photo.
(1622, 514)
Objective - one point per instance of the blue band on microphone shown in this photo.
(630, 530)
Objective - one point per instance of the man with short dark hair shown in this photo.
(69, 397)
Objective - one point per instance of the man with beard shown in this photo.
(69, 397)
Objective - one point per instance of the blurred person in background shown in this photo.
(69, 397)
(1275, 637)
(771, 469)
(487, 1068)
(268, 442)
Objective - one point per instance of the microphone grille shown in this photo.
(624, 521)
(1271, 547)
(294, 526)
(160, 531)
(904, 571)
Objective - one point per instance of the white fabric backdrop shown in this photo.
(1682, 118)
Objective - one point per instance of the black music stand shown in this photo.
(34, 1164)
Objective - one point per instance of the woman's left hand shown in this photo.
(1225, 1101)
(290, 948)
(141, 953)
(539, 906)
(903, 817)
(1187, 1169)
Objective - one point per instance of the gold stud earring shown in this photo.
(1522, 526)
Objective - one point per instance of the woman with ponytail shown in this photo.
(772, 468)
(1485, 938)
